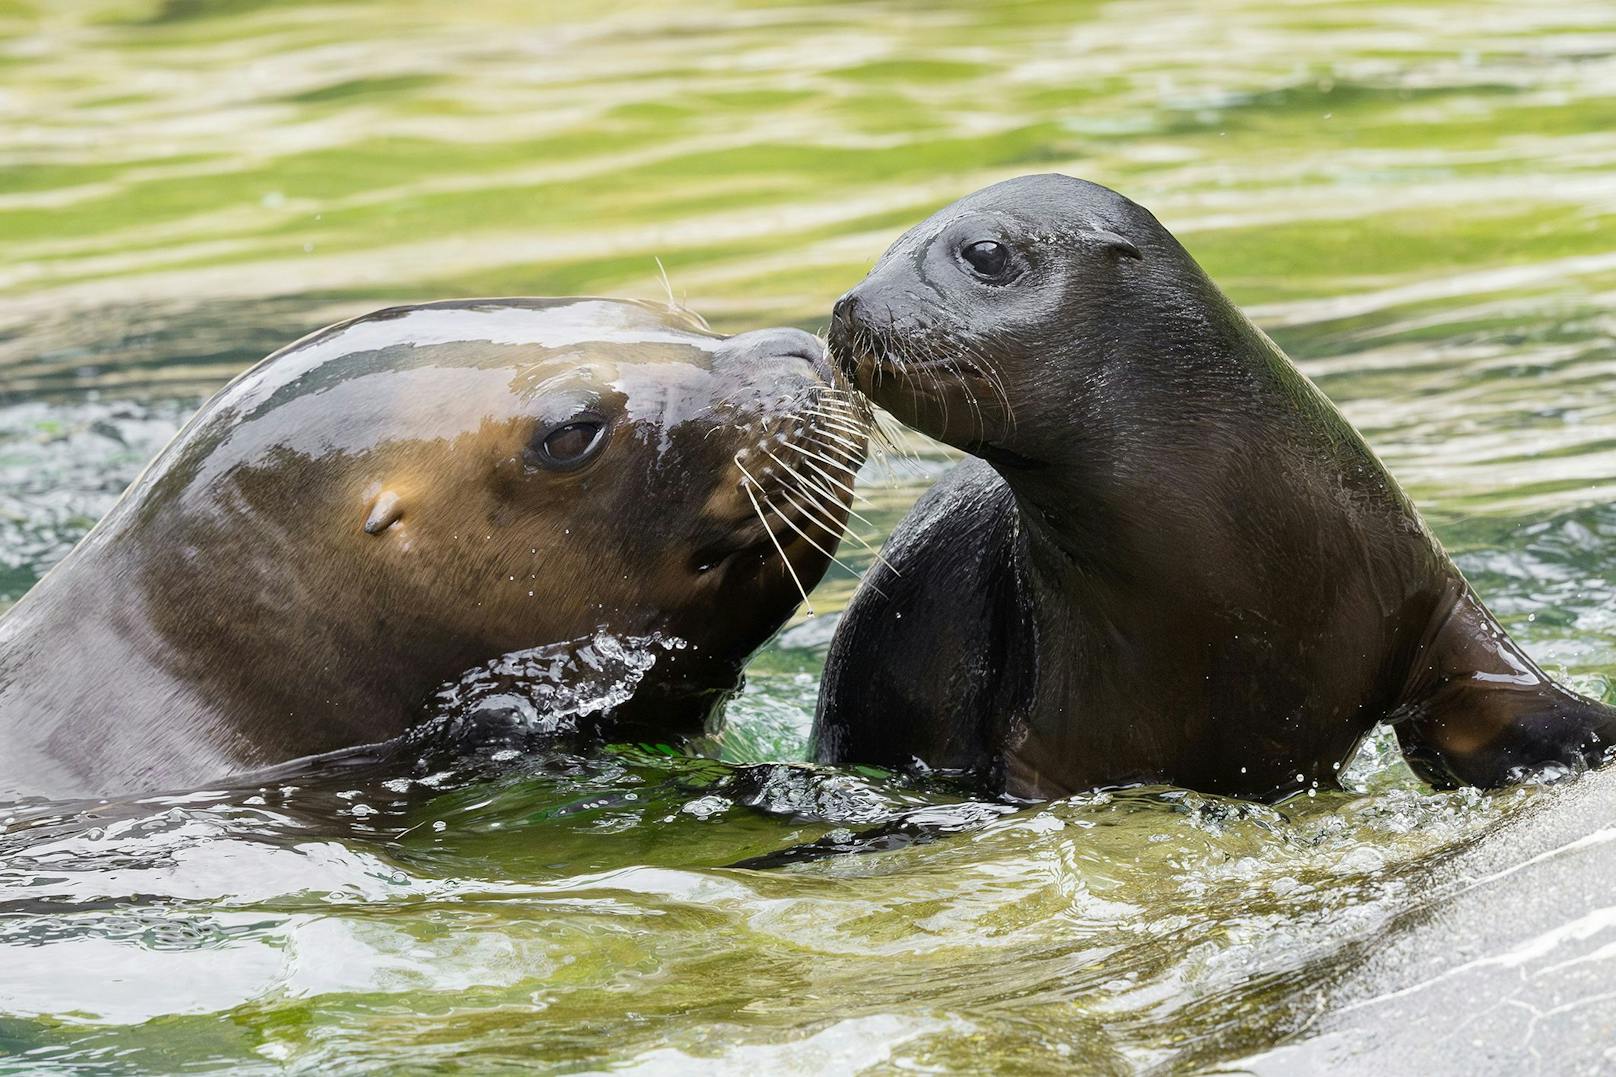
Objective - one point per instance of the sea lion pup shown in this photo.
(454, 501)
(1173, 560)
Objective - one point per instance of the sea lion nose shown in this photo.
(844, 326)
(844, 314)
(774, 346)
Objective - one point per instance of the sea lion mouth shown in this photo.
(797, 476)
(853, 345)
(932, 373)
(749, 535)
(882, 366)
(868, 355)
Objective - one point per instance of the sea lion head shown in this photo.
(415, 493)
(982, 324)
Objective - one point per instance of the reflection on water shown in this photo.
(1415, 198)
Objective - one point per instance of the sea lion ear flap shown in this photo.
(1112, 241)
(385, 511)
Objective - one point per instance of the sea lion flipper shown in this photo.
(1482, 713)
(945, 586)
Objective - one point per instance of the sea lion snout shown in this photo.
(852, 340)
(770, 346)
(842, 319)
(762, 347)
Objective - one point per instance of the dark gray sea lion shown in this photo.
(436, 506)
(1173, 560)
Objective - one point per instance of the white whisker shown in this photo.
(784, 560)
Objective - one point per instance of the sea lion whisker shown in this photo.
(902, 451)
(856, 574)
(851, 431)
(995, 381)
(842, 412)
(845, 406)
(826, 476)
(667, 285)
(838, 451)
(819, 489)
(822, 495)
(951, 361)
(815, 514)
(820, 456)
(874, 551)
(928, 372)
(905, 368)
(826, 493)
(864, 344)
(905, 364)
(807, 538)
(784, 560)
(848, 416)
(993, 376)
(854, 448)
(976, 406)
(820, 517)
(961, 360)
(764, 491)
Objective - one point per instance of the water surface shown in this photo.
(1416, 199)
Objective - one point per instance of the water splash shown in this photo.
(544, 690)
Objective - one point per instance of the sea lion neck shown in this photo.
(1174, 547)
(1159, 441)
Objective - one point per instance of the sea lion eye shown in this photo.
(567, 445)
(988, 258)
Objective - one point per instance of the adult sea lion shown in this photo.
(448, 503)
(1173, 560)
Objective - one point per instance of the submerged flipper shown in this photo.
(1482, 713)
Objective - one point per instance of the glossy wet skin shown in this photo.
(395, 500)
(1184, 565)
(955, 328)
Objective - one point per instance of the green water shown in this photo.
(1416, 199)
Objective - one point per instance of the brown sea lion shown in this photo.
(1173, 560)
(586, 512)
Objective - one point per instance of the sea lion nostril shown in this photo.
(844, 331)
(844, 317)
(795, 344)
(774, 346)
